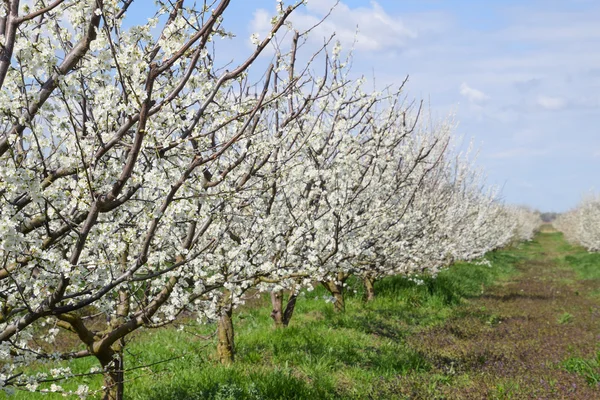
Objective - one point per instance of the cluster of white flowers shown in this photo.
(582, 224)
(528, 222)
(138, 180)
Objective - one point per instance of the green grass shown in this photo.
(507, 390)
(588, 368)
(565, 318)
(576, 258)
(321, 355)
(586, 265)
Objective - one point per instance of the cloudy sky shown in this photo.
(522, 78)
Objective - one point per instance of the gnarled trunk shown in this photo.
(280, 316)
(369, 288)
(289, 308)
(337, 291)
(277, 304)
(112, 364)
(111, 358)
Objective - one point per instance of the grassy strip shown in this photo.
(358, 354)
(586, 265)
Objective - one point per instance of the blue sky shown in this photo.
(521, 77)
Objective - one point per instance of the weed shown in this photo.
(494, 320)
(507, 390)
(565, 318)
(589, 369)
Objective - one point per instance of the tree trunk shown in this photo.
(337, 291)
(112, 358)
(277, 303)
(225, 345)
(280, 316)
(369, 288)
(112, 364)
(289, 308)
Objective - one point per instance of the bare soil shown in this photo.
(513, 339)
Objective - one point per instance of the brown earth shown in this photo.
(513, 340)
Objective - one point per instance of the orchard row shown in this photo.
(140, 180)
(582, 224)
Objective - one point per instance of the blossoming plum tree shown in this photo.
(112, 140)
(582, 224)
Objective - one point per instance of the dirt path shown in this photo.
(513, 340)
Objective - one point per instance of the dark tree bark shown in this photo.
(112, 363)
(282, 317)
(289, 308)
(369, 288)
(337, 291)
(277, 304)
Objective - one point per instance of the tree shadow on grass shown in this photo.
(240, 383)
(505, 298)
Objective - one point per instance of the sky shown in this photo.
(522, 78)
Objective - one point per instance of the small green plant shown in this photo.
(589, 369)
(507, 390)
(565, 318)
(493, 320)
(235, 392)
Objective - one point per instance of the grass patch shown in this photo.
(587, 368)
(586, 265)
(565, 318)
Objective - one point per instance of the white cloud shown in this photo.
(551, 103)
(473, 95)
(368, 28)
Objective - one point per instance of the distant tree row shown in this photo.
(549, 217)
(582, 224)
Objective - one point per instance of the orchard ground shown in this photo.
(527, 327)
